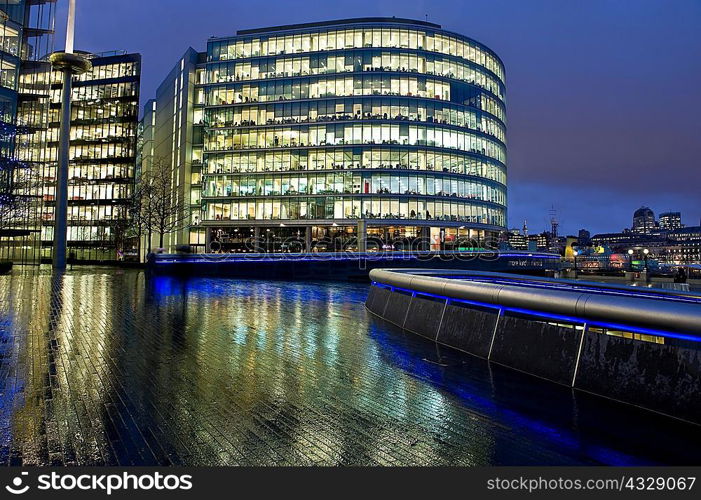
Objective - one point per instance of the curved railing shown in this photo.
(636, 345)
(655, 309)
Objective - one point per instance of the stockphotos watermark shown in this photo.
(327, 248)
(105, 483)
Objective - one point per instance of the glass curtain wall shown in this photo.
(26, 38)
(104, 120)
(398, 124)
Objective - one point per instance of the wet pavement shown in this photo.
(106, 367)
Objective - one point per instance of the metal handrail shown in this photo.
(654, 313)
(532, 280)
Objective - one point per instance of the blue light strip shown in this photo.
(540, 314)
(326, 256)
(633, 292)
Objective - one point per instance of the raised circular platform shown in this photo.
(75, 63)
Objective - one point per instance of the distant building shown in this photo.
(644, 221)
(671, 220)
(692, 233)
(674, 247)
(517, 240)
(620, 240)
(584, 238)
(541, 241)
(557, 244)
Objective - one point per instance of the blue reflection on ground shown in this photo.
(108, 367)
(538, 411)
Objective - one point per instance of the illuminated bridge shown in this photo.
(639, 346)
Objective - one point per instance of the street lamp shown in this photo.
(69, 64)
(646, 252)
(575, 253)
(630, 259)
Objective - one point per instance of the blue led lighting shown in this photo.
(644, 293)
(540, 314)
(325, 256)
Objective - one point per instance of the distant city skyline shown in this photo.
(602, 116)
(547, 224)
(541, 222)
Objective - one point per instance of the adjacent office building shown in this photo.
(172, 138)
(104, 119)
(26, 38)
(103, 142)
(334, 135)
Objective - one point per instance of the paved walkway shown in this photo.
(102, 366)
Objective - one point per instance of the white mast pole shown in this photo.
(70, 29)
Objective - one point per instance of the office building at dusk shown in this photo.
(26, 38)
(644, 221)
(342, 131)
(104, 119)
(671, 220)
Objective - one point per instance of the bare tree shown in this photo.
(140, 210)
(7, 209)
(157, 206)
(12, 205)
(13, 210)
(122, 230)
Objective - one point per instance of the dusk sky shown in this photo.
(603, 96)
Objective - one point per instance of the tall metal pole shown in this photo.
(69, 64)
(61, 211)
(70, 28)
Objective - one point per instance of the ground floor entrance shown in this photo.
(360, 237)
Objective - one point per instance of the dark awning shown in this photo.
(14, 233)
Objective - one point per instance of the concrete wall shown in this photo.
(424, 316)
(397, 307)
(661, 377)
(537, 347)
(468, 328)
(664, 378)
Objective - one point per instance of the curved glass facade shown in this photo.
(396, 124)
(26, 37)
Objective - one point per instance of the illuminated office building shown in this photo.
(346, 132)
(644, 221)
(104, 120)
(26, 37)
(671, 220)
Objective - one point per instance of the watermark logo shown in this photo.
(114, 482)
(107, 483)
(16, 488)
(420, 249)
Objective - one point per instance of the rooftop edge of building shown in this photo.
(356, 20)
